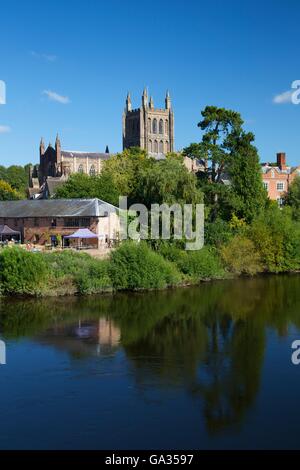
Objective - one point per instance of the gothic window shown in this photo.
(167, 127)
(154, 126)
(167, 147)
(80, 169)
(150, 146)
(149, 124)
(161, 147)
(92, 170)
(161, 126)
(155, 146)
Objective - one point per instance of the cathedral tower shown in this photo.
(147, 127)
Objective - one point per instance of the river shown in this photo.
(206, 367)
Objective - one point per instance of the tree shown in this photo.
(16, 176)
(7, 193)
(229, 155)
(292, 198)
(125, 169)
(249, 196)
(167, 181)
(80, 185)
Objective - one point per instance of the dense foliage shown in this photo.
(231, 178)
(22, 272)
(80, 185)
(7, 193)
(292, 198)
(136, 266)
(17, 177)
(139, 177)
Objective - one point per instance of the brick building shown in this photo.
(42, 221)
(278, 176)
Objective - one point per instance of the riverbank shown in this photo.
(132, 267)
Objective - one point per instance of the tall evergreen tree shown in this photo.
(228, 154)
(249, 195)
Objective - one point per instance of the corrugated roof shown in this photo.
(55, 208)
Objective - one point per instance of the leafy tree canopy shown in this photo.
(229, 156)
(80, 185)
(292, 198)
(16, 176)
(7, 193)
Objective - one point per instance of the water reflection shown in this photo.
(84, 339)
(209, 340)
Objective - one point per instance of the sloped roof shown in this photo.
(83, 233)
(53, 183)
(266, 168)
(55, 208)
(75, 153)
(6, 230)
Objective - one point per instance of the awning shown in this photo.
(6, 230)
(83, 233)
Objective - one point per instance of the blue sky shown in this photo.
(68, 65)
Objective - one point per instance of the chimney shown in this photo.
(281, 160)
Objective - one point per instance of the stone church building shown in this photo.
(56, 165)
(55, 162)
(149, 128)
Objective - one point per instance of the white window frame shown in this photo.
(280, 183)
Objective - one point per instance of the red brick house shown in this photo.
(45, 221)
(277, 177)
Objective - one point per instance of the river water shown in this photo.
(207, 367)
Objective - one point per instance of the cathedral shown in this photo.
(55, 162)
(149, 128)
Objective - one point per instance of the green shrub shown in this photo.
(241, 257)
(217, 232)
(170, 252)
(89, 275)
(277, 238)
(63, 263)
(200, 264)
(22, 272)
(195, 265)
(95, 278)
(136, 266)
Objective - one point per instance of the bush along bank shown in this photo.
(133, 266)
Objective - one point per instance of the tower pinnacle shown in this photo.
(168, 100)
(128, 102)
(145, 98)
